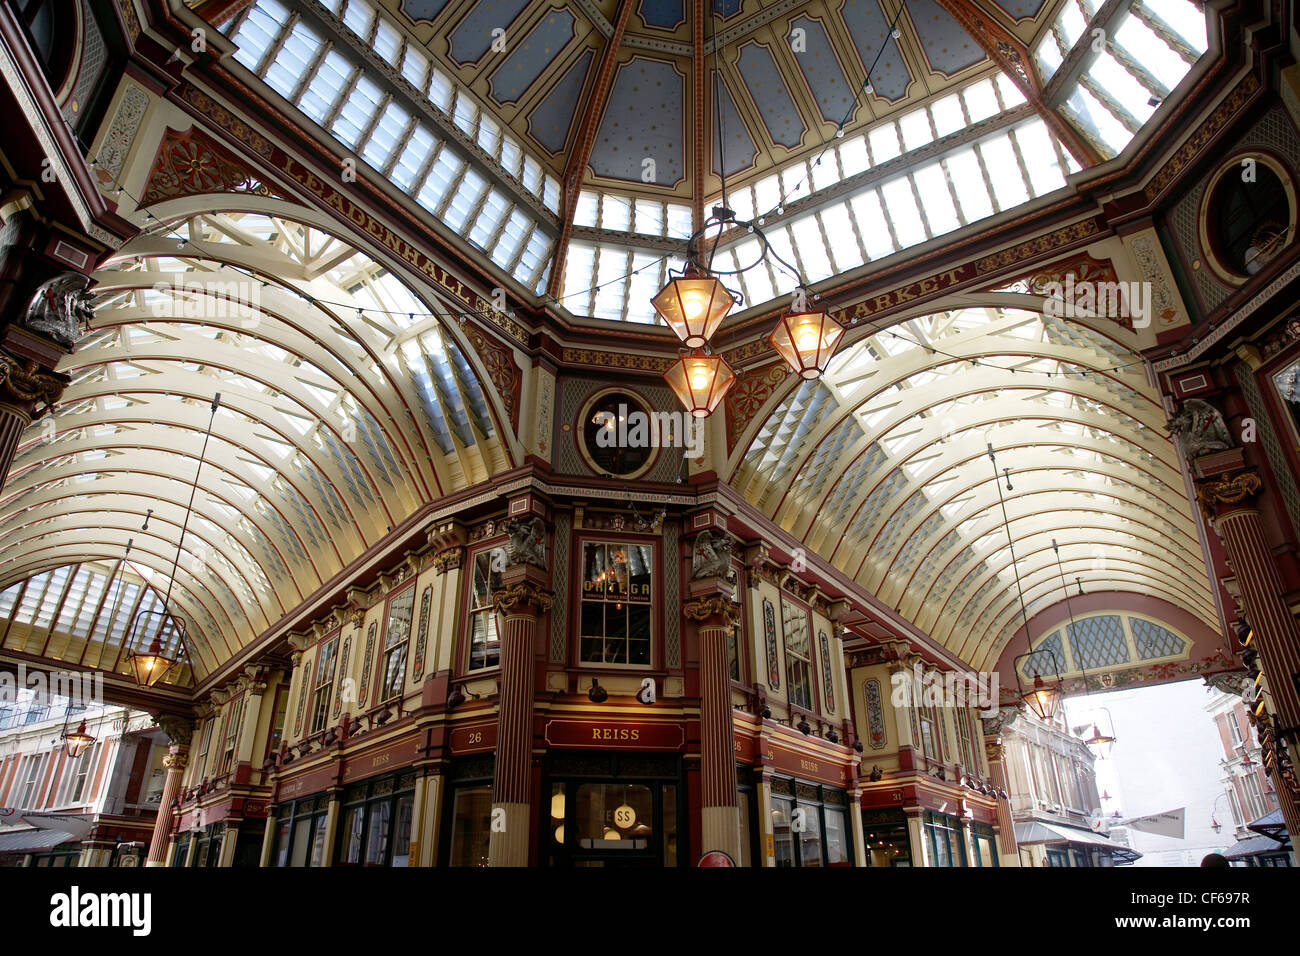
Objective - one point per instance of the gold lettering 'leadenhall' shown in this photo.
(383, 233)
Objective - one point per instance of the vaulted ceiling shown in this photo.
(882, 467)
(345, 405)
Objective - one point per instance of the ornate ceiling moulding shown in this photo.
(501, 369)
(1187, 155)
(1081, 266)
(625, 361)
(192, 163)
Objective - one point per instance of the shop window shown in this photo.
(616, 595)
(733, 655)
(471, 825)
(300, 833)
(207, 846)
(798, 660)
(945, 837)
(324, 690)
(182, 849)
(201, 762)
(397, 635)
(886, 837)
(810, 825)
(613, 810)
(234, 710)
(278, 711)
(986, 850)
(484, 629)
(1057, 858)
(375, 825)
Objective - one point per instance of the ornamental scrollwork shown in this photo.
(524, 593)
(702, 608)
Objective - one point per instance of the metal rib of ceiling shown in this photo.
(341, 413)
(882, 468)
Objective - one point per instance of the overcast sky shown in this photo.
(1166, 756)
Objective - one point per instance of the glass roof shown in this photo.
(882, 467)
(90, 614)
(341, 413)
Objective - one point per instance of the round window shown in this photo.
(614, 437)
(1249, 216)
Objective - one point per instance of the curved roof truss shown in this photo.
(882, 467)
(346, 404)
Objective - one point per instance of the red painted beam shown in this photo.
(586, 139)
(1013, 58)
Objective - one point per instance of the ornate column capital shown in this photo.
(177, 760)
(711, 609)
(523, 597)
(1227, 488)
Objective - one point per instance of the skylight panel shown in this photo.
(444, 172)
(326, 86)
(1004, 171)
(358, 111)
(512, 236)
(291, 62)
(903, 214)
(870, 217)
(616, 213)
(1183, 18)
(415, 68)
(258, 31)
(649, 217)
(468, 194)
(489, 218)
(1048, 56)
(932, 186)
(1071, 22)
(915, 127)
(679, 221)
(844, 249)
(1095, 118)
(853, 156)
(947, 114)
(1010, 93)
(767, 195)
(1156, 55)
(980, 100)
(418, 148)
(390, 128)
(359, 17)
(812, 248)
(884, 142)
(1118, 83)
(387, 41)
(644, 283)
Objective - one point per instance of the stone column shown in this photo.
(179, 730)
(1227, 500)
(521, 601)
(714, 612)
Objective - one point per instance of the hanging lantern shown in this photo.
(78, 741)
(1042, 698)
(806, 340)
(700, 381)
(150, 666)
(693, 306)
(1100, 743)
